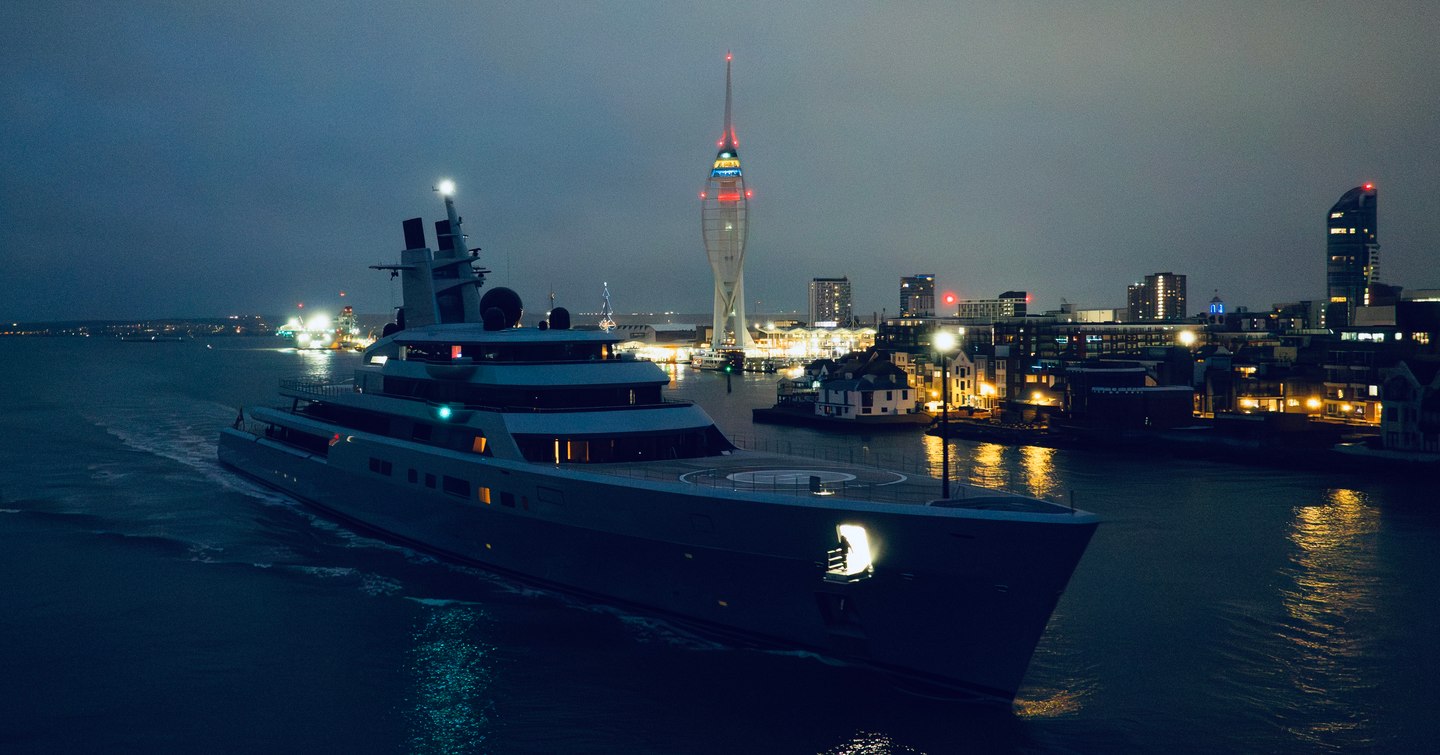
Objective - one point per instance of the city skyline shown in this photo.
(214, 161)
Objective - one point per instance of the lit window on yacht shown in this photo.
(480, 446)
(854, 552)
(577, 450)
(1334, 215)
(482, 494)
(379, 359)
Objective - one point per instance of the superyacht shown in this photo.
(545, 454)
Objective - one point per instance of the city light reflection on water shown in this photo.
(320, 364)
(452, 675)
(1334, 569)
(1029, 470)
(1039, 466)
(987, 466)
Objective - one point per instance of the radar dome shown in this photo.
(505, 300)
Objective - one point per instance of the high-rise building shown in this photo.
(1352, 254)
(1160, 298)
(917, 295)
(724, 215)
(1008, 304)
(830, 301)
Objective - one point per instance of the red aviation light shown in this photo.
(949, 298)
(702, 195)
(749, 193)
(1369, 187)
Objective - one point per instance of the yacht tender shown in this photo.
(545, 454)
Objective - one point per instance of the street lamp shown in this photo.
(944, 342)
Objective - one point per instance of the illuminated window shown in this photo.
(1334, 215)
(480, 446)
(1337, 231)
(482, 494)
(853, 557)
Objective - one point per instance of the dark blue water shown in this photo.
(153, 601)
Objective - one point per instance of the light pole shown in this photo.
(944, 342)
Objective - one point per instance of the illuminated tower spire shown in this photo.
(724, 210)
(607, 313)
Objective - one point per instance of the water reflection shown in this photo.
(931, 447)
(987, 466)
(317, 364)
(1048, 703)
(1040, 476)
(870, 743)
(451, 671)
(1330, 608)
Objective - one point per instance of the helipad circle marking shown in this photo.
(788, 476)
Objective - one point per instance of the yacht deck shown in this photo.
(761, 472)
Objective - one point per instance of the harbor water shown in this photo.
(153, 601)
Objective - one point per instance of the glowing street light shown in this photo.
(944, 343)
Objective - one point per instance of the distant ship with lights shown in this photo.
(320, 332)
(546, 454)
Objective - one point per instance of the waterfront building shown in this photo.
(724, 223)
(1410, 408)
(793, 343)
(1160, 298)
(917, 295)
(1008, 304)
(1048, 338)
(830, 302)
(873, 388)
(1352, 254)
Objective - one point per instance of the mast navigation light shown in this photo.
(446, 187)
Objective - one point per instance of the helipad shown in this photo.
(788, 476)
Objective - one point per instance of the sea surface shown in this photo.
(152, 601)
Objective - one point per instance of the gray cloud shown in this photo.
(163, 159)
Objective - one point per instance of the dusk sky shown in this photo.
(206, 159)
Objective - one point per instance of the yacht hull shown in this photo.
(956, 603)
